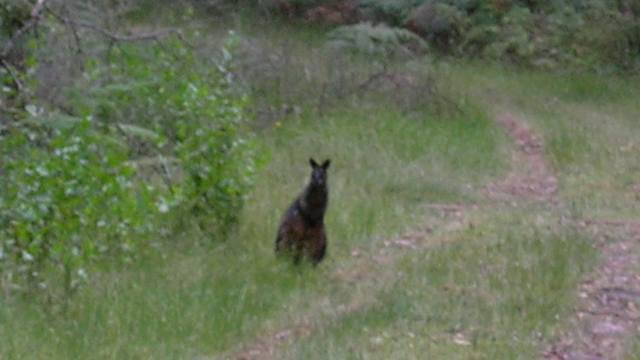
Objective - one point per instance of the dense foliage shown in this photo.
(151, 134)
(583, 33)
(68, 197)
(171, 107)
(379, 42)
(113, 139)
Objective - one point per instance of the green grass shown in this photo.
(589, 125)
(494, 293)
(204, 299)
(503, 284)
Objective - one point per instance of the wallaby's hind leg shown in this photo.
(319, 254)
(297, 251)
(318, 245)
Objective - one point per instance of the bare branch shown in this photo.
(111, 35)
(74, 31)
(12, 73)
(36, 11)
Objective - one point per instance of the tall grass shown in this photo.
(494, 293)
(201, 299)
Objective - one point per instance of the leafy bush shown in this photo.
(441, 24)
(13, 15)
(578, 33)
(538, 33)
(155, 138)
(613, 37)
(376, 40)
(513, 39)
(68, 197)
(392, 12)
(18, 60)
(174, 106)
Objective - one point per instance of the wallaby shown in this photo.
(301, 230)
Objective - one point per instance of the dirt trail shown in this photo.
(530, 177)
(608, 311)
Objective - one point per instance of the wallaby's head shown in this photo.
(319, 172)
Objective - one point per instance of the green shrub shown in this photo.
(19, 63)
(579, 33)
(612, 37)
(68, 198)
(376, 40)
(13, 15)
(174, 105)
(440, 23)
(392, 12)
(161, 143)
(513, 39)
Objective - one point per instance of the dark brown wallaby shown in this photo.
(301, 230)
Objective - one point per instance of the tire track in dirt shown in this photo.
(530, 177)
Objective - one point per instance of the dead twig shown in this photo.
(111, 35)
(612, 313)
(12, 73)
(363, 86)
(612, 222)
(74, 30)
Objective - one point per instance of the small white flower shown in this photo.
(82, 273)
(163, 207)
(42, 171)
(26, 256)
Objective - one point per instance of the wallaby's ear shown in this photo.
(313, 163)
(326, 163)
